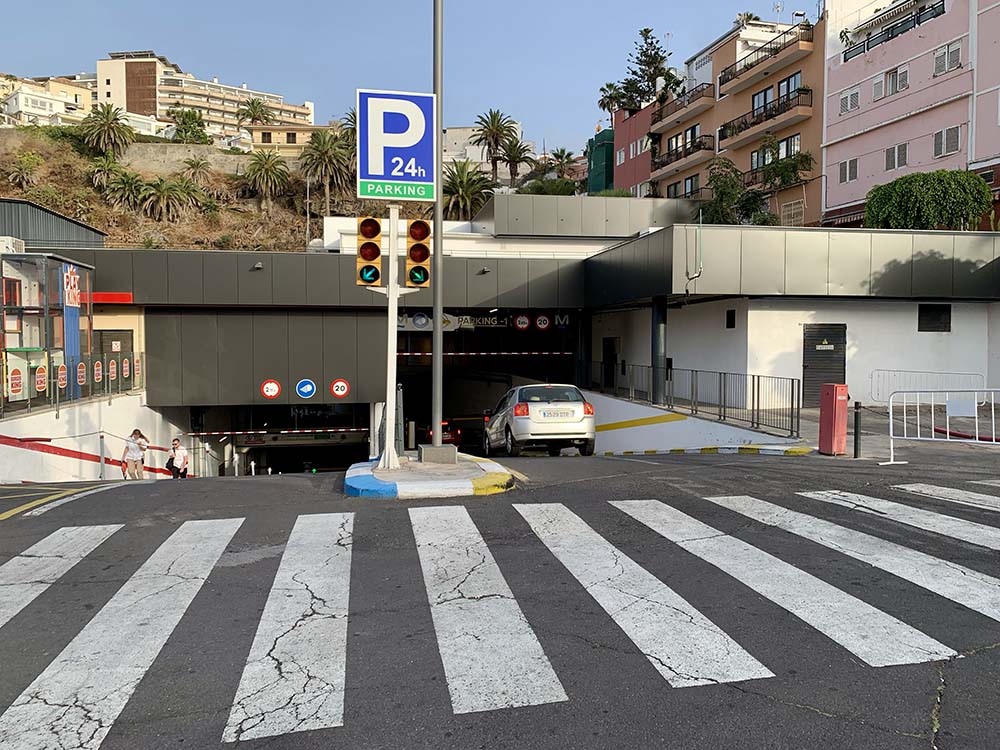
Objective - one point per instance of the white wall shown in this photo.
(633, 327)
(993, 359)
(697, 337)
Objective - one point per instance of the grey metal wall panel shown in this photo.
(570, 216)
(891, 263)
(616, 215)
(255, 285)
(288, 280)
(974, 268)
(807, 262)
(323, 279)
(113, 271)
(545, 216)
(199, 358)
(661, 262)
(370, 385)
(221, 287)
(352, 295)
(571, 283)
(79, 255)
(305, 350)
(543, 283)
(340, 355)
(185, 278)
(933, 264)
(594, 223)
(640, 213)
(41, 228)
(513, 283)
(456, 281)
(500, 217)
(850, 263)
(762, 260)
(149, 277)
(270, 354)
(520, 218)
(483, 221)
(235, 343)
(721, 251)
(163, 358)
(483, 287)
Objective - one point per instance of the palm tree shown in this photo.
(254, 111)
(266, 174)
(466, 189)
(105, 130)
(611, 97)
(325, 158)
(25, 171)
(492, 129)
(197, 169)
(742, 19)
(163, 199)
(189, 191)
(514, 152)
(102, 169)
(125, 190)
(562, 160)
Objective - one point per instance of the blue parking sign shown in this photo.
(397, 140)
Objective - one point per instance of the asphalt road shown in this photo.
(544, 618)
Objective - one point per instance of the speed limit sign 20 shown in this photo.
(339, 388)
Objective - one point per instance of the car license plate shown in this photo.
(557, 413)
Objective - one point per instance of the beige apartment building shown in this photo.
(287, 140)
(43, 101)
(757, 80)
(150, 84)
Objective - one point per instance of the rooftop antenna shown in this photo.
(778, 7)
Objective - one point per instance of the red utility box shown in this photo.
(833, 419)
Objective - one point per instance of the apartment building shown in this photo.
(149, 84)
(287, 140)
(916, 88)
(633, 165)
(458, 144)
(755, 81)
(46, 101)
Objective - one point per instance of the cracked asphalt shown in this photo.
(396, 691)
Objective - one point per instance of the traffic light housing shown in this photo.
(369, 261)
(418, 253)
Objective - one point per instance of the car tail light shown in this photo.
(486, 418)
(458, 433)
(588, 409)
(520, 410)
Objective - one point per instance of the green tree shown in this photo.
(613, 193)
(562, 161)
(326, 157)
(254, 111)
(102, 169)
(646, 63)
(611, 98)
(163, 200)
(267, 175)
(558, 186)
(780, 172)
(190, 126)
(943, 199)
(732, 202)
(514, 152)
(125, 190)
(492, 129)
(105, 130)
(25, 171)
(742, 19)
(466, 189)
(189, 191)
(197, 169)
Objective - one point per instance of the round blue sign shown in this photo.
(305, 388)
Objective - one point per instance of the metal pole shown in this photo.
(437, 261)
(100, 474)
(389, 459)
(308, 212)
(857, 429)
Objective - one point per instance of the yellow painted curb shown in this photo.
(492, 483)
(641, 422)
(749, 449)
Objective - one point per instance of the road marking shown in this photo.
(988, 482)
(75, 701)
(33, 504)
(490, 655)
(872, 635)
(684, 646)
(960, 584)
(25, 577)
(963, 497)
(640, 422)
(635, 460)
(294, 676)
(78, 495)
(958, 528)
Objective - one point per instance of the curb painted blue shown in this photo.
(360, 482)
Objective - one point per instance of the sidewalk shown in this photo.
(470, 476)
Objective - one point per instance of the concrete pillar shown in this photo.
(658, 349)
(585, 355)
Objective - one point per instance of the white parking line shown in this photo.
(963, 497)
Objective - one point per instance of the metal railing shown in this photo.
(74, 379)
(760, 115)
(684, 100)
(764, 402)
(949, 416)
(802, 32)
(886, 382)
(701, 143)
(891, 32)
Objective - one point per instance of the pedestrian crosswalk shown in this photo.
(296, 671)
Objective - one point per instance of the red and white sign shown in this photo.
(137, 369)
(41, 379)
(98, 371)
(339, 388)
(62, 376)
(71, 287)
(542, 322)
(16, 382)
(125, 368)
(112, 370)
(522, 322)
(81, 374)
(270, 389)
(116, 346)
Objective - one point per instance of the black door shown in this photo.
(824, 358)
(113, 344)
(609, 356)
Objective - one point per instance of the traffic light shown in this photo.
(369, 262)
(418, 253)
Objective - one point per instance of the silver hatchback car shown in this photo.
(553, 416)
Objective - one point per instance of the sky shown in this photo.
(540, 61)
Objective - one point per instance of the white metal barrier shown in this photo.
(886, 382)
(966, 415)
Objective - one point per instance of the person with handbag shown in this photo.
(177, 463)
(134, 454)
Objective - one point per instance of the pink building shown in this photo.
(913, 91)
(632, 162)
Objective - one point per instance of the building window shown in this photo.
(620, 157)
(789, 86)
(674, 190)
(107, 94)
(690, 185)
(692, 133)
(107, 81)
(265, 137)
(890, 83)
(631, 150)
(850, 100)
(644, 144)
(731, 318)
(762, 98)
(988, 176)
(947, 58)
(290, 138)
(789, 146)
(934, 318)
(848, 171)
(793, 214)
(946, 141)
(675, 142)
(895, 157)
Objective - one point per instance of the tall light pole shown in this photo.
(437, 262)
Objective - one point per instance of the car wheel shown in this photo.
(587, 449)
(513, 449)
(486, 443)
(555, 450)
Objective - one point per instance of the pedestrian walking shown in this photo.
(178, 461)
(134, 455)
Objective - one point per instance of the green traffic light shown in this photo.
(369, 274)
(419, 275)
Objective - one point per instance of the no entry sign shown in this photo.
(81, 374)
(98, 371)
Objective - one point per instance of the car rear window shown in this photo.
(549, 393)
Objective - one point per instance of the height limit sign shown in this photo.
(397, 140)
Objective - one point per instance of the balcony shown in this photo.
(781, 113)
(783, 50)
(670, 163)
(891, 32)
(693, 102)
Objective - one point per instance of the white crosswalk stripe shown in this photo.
(75, 701)
(491, 657)
(962, 497)
(872, 635)
(25, 577)
(684, 646)
(971, 588)
(294, 677)
(958, 528)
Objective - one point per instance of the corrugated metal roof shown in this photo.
(41, 227)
